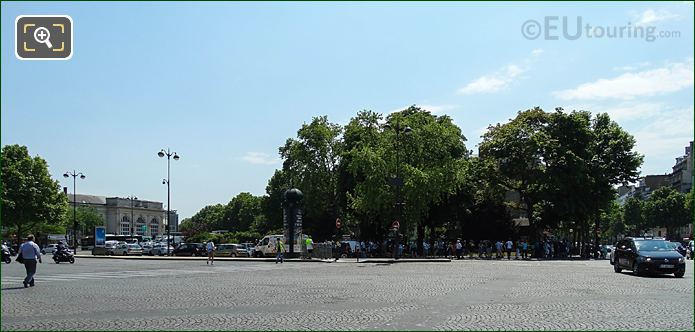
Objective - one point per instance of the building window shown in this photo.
(154, 227)
(140, 226)
(125, 226)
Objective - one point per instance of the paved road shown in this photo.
(463, 295)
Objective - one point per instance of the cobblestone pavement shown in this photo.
(461, 295)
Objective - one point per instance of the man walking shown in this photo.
(509, 249)
(459, 249)
(309, 246)
(498, 246)
(280, 248)
(211, 253)
(30, 254)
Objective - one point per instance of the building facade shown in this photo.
(123, 216)
(681, 178)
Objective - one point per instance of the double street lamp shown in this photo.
(74, 175)
(167, 181)
(398, 180)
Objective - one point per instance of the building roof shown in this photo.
(87, 199)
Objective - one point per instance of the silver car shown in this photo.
(128, 250)
(160, 249)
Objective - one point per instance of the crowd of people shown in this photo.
(477, 249)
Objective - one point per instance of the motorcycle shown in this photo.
(6, 257)
(63, 256)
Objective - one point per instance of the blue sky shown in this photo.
(225, 84)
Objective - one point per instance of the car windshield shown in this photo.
(134, 246)
(653, 245)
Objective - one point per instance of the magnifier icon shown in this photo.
(42, 36)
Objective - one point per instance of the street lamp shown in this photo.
(167, 181)
(398, 181)
(74, 175)
(132, 199)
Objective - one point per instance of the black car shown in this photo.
(679, 247)
(189, 249)
(648, 255)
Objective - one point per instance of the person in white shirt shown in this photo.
(509, 244)
(211, 253)
(30, 252)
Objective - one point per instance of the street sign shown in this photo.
(337, 223)
(99, 236)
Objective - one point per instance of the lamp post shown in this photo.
(132, 199)
(74, 175)
(398, 180)
(167, 181)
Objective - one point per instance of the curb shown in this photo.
(271, 260)
(179, 258)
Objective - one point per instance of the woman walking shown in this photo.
(30, 253)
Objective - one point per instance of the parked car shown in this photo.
(231, 250)
(49, 249)
(648, 255)
(109, 248)
(190, 249)
(146, 246)
(250, 248)
(160, 249)
(691, 249)
(128, 250)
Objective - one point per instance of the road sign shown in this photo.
(396, 224)
(337, 223)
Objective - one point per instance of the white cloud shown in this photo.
(666, 134)
(260, 158)
(624, 111)
(670, 78)
(632, 67)
(501, 78)
(651, 16)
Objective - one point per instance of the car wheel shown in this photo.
(125, 253)
(679, 273)
(636, 270)
(617, 268)
(232, 255)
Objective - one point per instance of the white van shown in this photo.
(266, 246)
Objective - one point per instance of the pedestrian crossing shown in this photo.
(129, 274)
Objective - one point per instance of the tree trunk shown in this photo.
(420, 237)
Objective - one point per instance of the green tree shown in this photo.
(612, 218)
(563, 165)
(271, 205)
(203, 221)
(432, 158)
(633, 216)
(666, 208)
(30, 197)
(311, 164)
(87, 218)
(241, 212)
(516, 151)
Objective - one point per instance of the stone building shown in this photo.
(682, 176)
(122, 215)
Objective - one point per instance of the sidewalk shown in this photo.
(272, 260)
